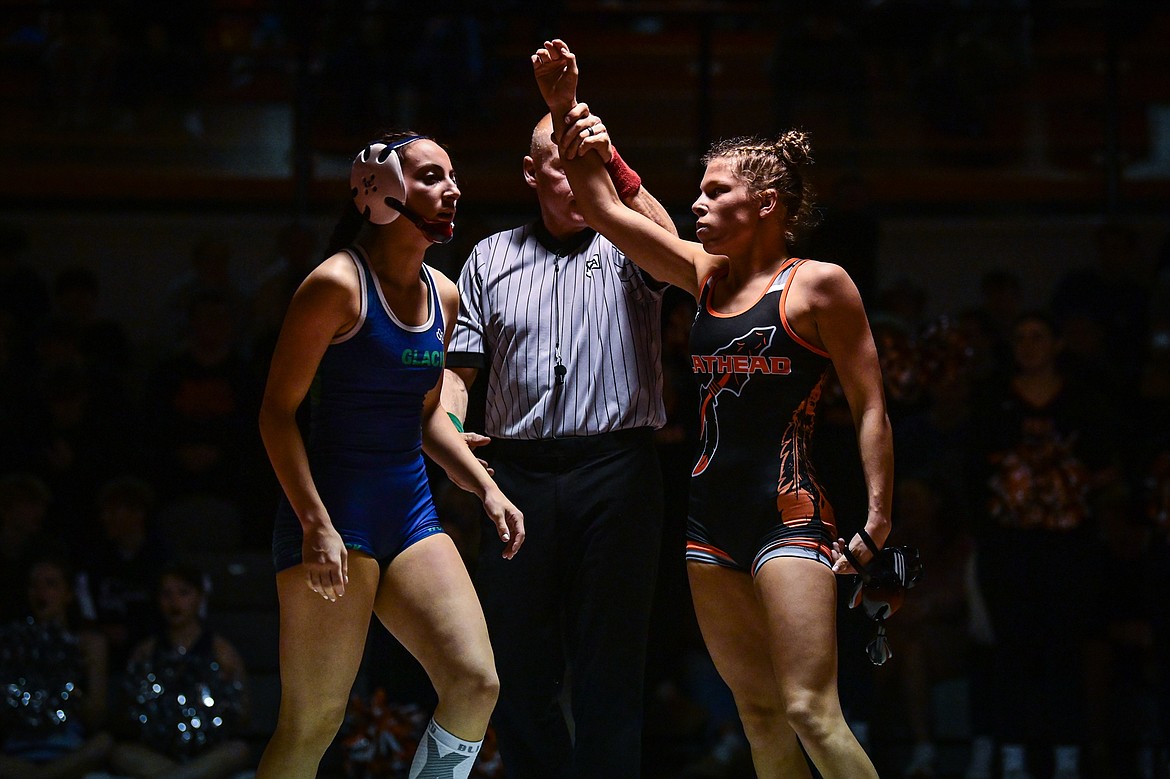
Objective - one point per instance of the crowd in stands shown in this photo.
(121, 67)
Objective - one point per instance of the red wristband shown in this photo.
(625, 179)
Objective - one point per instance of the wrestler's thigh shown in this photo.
(322, 642)
(427, 601)
(734, 628)
(798, 597)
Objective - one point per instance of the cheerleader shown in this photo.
(186, 688)
(53, 673)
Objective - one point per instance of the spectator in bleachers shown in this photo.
(119, 569)
(24, 293)
(1132, 700)
(210, 273)
(951, 356)
(904, 300)
(895, 342)
(933, 435)
(1000, 303)
(931, 626)
(186, 692)
(202, 401)
(16, 391)
(1045, 446)
(103, 342)
(24, 506)
(54, 672)
(982, 703)
(1101, 309)
(296, 251)
(75, 440)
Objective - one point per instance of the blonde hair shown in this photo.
(779, 164)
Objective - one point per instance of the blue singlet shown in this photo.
(365, 440)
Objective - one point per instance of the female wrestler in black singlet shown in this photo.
(762, 547)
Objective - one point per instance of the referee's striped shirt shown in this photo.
(521, 291)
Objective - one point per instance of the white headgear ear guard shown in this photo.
(376, 177)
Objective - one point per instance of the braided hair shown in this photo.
(779, 164)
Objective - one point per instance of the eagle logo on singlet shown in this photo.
(731, 368)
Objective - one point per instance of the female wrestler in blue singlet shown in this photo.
(762, 545)
(357, 533)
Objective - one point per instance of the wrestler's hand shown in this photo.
(474, 441)
(509, 520)
(841, 563)
(584, 131)
(858, 548)
(555, 68)
(326, 562)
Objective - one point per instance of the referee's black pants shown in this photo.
(579, 593)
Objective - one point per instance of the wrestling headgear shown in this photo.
(881, 587)
(379, 189)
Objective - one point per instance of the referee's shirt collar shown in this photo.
(563, 247)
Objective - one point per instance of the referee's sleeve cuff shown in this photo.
(475, 360)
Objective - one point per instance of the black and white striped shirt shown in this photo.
(521, 293)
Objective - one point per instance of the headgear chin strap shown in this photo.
(436, 230)
(379, 189)
(881, 587)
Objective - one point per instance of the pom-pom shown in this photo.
(41, 670)
(182, 702)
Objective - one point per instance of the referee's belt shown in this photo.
(570, 446)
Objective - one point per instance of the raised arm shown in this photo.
(659, 252)
(648, 206)
(585, 132)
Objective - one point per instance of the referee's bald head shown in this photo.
(541, 144)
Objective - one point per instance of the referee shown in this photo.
(568, 332)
